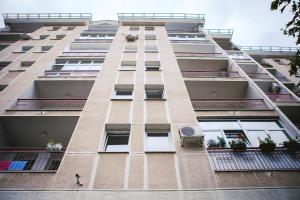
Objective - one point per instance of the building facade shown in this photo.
(148, 106)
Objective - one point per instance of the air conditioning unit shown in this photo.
(131, 38)
(275, 88)
(191, 134)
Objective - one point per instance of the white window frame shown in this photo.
(169, 148)
(120, 133)
(78, 65)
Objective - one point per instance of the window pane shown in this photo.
(235, 135)
(211, 135)
(255, 125)
(219, 125)
(124, 92)
(154, 94)
(69, 67)
(278, 137)
(253, 137)
(158, 142)
(117, 142)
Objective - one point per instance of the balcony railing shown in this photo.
(71, 73)
(193, 41)
(26, 160)
(210, 74)
(282, 98)
(259, 75)
(84, 54)
(219, 31)
(194, 54)
(228, 104)
(159, 16)
(269, 48)
(48, 105)
(47, 16)
(253, 159)
(91, 40)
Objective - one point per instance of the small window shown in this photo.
(55, 28)
(116, 141)
(26, 63)
(3, 65)
(134, 28)
(157, 141)
(152, 65)
(60, 37)
(123, 92)
(130, 48)
(154, 93)
(151, 48)
(149, 28)
(150, 37)
(128, 66)
(46, 48)
(70, 28)
(26, 48)
(42, 37)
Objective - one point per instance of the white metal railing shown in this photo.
(269, 48)
(47, 16)
(219, 31)
(159, 16)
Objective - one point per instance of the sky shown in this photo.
(252, 20)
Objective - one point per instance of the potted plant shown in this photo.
(221, 142)
(211, 143)
(267, 145)
(54, 146)
(238, 145)
(292, 144)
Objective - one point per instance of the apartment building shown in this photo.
(144, 107)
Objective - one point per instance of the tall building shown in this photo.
(151, 106)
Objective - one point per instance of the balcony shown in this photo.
(220, 33)
(254, 71)
(253, 159)
(209, 95)
(53, 96)
(228, 104)
(123, 16)
(269, 50)
(277, 93)
(210, 74)
(188, 38)
(279, 76)
(198, 55)
(70, 73)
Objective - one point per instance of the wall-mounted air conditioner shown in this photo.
(191, 134)
(131, 38)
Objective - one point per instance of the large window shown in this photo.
(251, 130)
(97, 36)
(187, 37)
(74, 65)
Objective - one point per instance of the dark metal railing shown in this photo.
(228, 104)
(253, 159)
(48, 105)
(159, 16)
(210, 74)
(70, 73)
(259, 75)
(29, 160)
(285, 98)
(194, 54)
(47, 16)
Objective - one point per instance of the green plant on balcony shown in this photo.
(267, 145)
(221, 142)
(211, 143)
(292, 144)
(238, 144)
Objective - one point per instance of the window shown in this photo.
(42, 37)
(149, 28)
(26, 48)
(150, 37)
(151, 48)
(152, 65)
(123, 92)
(130, 48)
(26, 63)
(128, 66)
(3, 65)
(157, 141)
(55, 28)
(60, 37)
(154, 93)
(134, 28)
(116, 141)
(70, 28)
(45, 48)
(75, 65)
(250, 130)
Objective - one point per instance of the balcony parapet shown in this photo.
(70, 73)
(160, 16)
(229, 105)
(210, 74)
(44, 104)
(194, 54)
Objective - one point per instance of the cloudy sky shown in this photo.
(252, 20)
